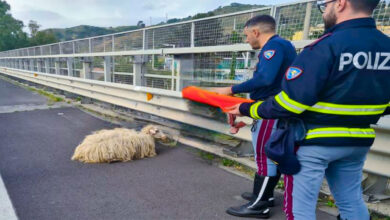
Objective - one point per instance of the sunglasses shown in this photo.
(322, 5)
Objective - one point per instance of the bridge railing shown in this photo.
(209, 51)
(122, 68)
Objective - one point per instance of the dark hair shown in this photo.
(367, 6)
(266, 22)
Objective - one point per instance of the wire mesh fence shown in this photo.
(290, 19)
(42, 66)
(62, 67)
(173, 71)
(176, 36)
(382, 16)
(123, 69)
(67, 48)
(77, 67)
(224, 30)
(220, 68)
(297, 21)
(97, 69)
(159, 72)
(128, 41)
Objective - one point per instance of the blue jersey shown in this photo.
(274, 59)
(338, 85)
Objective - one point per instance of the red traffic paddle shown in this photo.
(222, 101)
(211, 98)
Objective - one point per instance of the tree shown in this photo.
(11, 30)
(140, 24)
(173, 20)
(34, 27)
(43, 37)
(40, 37)
(203, 15)
(4, 7)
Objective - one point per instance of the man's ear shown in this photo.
(256, 32)
(341, 5)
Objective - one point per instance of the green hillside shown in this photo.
(84, 31)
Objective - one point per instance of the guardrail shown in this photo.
(122, 68)
(170, 105)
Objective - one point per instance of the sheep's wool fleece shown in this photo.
(119, 144)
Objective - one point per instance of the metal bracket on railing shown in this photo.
(375, 188)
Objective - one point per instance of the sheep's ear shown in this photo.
(152, 131)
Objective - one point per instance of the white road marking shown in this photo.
(7, 211)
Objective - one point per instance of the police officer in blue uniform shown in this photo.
(338, 86)
(275, 57)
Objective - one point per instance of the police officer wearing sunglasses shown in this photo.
(338, 86)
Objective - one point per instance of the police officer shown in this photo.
(338, 86)
(275, 57)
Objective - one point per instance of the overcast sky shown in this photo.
(106, 13)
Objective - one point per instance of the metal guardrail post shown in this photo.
(153, 40)
(57, 66)
(275, 14)
(47, 65)
(144, 39)
(69, 65)
(60, 46)
(31, 64)
(113, 43)
(306, 26)
(273, 11)
(104, 44)
(85, 73)
(90, 45)
(137, 70)
(108, 69)
(193, 34)
(178, 74)
(39, 65)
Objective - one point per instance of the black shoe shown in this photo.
(248, 196)
(259, 210)
(251, 197)
(257, 183)
(339, 217)
(268, 193)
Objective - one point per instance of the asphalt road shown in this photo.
(11, 95)
(43, 183)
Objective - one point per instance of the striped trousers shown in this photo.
(261, 132)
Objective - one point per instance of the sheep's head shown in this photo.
(155, 132)
(162, 134)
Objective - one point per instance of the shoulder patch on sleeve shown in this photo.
(319, 40)
(293, 73)
(268, 54)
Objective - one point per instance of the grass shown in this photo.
(331, 204)
(206, 156)
(52, 98)
(105, 116)
(377, 217)
(280, 185)
(226, 163)
(237, 166)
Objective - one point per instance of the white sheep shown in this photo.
(119, 144)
